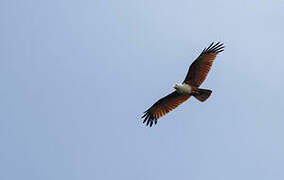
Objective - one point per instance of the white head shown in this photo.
(183, 88)
(176, 86)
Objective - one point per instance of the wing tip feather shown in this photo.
(214, 48)
(149, 119)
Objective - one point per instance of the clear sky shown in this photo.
(77, 75)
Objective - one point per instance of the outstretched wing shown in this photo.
(163, 106)
(199, 69)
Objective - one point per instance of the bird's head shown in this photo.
(176, 86)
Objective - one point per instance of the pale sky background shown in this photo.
(77, 75)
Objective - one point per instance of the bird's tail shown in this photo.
(202, 94)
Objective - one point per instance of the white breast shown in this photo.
(184, 88)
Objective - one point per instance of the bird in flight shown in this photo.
(197, 73)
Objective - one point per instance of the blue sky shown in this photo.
(77, 75)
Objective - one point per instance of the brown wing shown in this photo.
(199, 69)
(163, 106)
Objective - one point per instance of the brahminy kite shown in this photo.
(197, 73)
